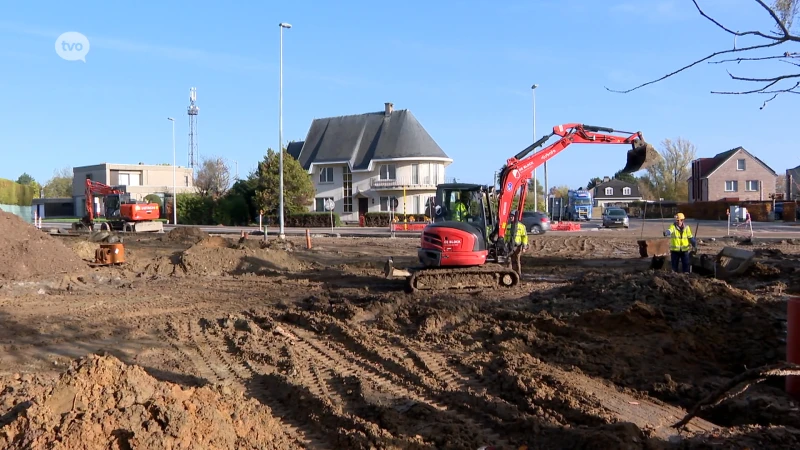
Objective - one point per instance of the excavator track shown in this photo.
(487, 276)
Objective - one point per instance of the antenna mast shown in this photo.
(193, 110)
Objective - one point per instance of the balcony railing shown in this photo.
(399, 183)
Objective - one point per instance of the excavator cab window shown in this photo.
(112, 204)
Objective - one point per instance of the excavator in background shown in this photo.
(121, 213)
(465, 246)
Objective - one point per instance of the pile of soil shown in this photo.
(85, 249)
(101, 403)
(26, 252)
(186, 234)
(215, 260)
(671, 335)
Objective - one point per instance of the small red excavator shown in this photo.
(121, 213)
(465, 245)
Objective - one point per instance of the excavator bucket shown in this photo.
(729, 262)
(641, 156)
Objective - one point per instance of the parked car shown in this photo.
(535, 222)
(615, 217)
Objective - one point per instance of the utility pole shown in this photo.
(535, 202)
(281, 233)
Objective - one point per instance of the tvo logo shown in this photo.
(72, 46)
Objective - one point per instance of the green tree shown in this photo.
(27, 180)
(593, 182)
(298, 189)
(626, 177)
(60, 185)
(559, 191)
(669, 177)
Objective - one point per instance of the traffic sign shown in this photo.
(329, 204)
(395, 203)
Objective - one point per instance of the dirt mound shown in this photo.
(102, 403)
(214, 242)
(85, 249)
(188, 234)
(669, 334)
(215, 261)
(26, 252)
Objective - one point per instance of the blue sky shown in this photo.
(463, 68)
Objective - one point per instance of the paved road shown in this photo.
(652, 228)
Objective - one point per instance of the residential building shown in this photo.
(363, 161)
(735, 174)
(139, 180)
(793, 183)
(613, 192)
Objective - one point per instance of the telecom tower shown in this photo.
(194, 154)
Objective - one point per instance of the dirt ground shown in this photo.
(202, 341)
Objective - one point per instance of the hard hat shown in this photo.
(680, 216)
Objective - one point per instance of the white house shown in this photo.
(362, 161)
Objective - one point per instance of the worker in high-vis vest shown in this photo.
(460, 208)
(520, 236)
(681, 240)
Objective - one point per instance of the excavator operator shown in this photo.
(680, 238)
(520, 240)
(460, 209)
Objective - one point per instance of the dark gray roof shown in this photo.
(358, 139)
(599, 190)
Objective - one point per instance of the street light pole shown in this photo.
(281, 233)
(174, 177)
(535, 190)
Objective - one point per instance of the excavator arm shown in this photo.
(96, 188)
(514, 176)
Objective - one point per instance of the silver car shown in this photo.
(615, 217)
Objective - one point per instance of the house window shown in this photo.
(626, 191)
(415, 174)
(609, 191)
(326, 175)
(385, 203)
(740, 165)
(319, 204)
(418, 204)
(186, 180)
(124, 179)
(731, 186)
(388, 172)
(347, 189)
(751, 186)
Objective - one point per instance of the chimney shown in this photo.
(389, 109)
(606, 179)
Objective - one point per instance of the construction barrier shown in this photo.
(565, 226)
(408, 226)
(793, 344)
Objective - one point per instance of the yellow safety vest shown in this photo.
(460, 211)
(679, 241)
(520, 237)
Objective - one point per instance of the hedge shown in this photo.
(382, 219)
(12, 193)
(306, 220)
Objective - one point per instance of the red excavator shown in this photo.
(465, 245)
(121, 212)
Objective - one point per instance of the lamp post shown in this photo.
(535, 191)
(281, 233)
(174, 177)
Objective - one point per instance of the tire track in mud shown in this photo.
(201, 352)
(351, 364)
(243, 375)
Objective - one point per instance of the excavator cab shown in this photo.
(465, 203)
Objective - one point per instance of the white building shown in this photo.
(362, 161)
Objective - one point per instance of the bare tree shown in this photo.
(669, 176)
(213, 178)
(780, 184)
(782, 12)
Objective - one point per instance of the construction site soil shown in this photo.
(202, 341)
